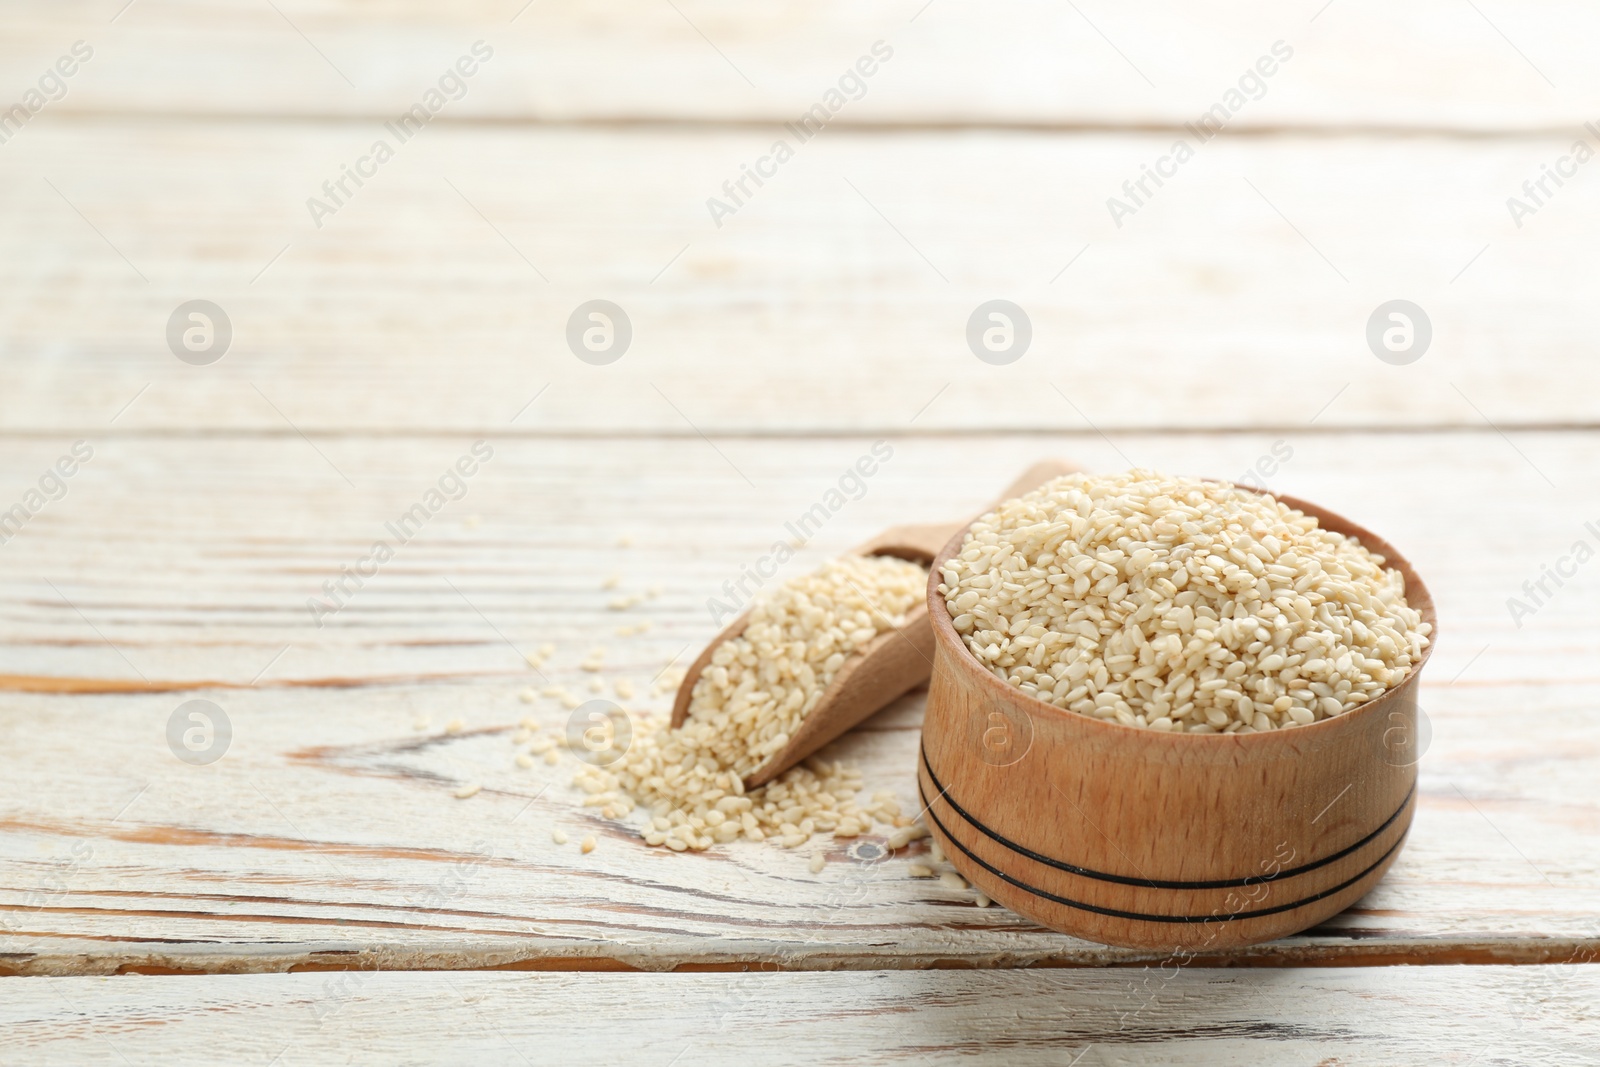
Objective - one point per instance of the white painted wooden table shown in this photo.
(153, 910)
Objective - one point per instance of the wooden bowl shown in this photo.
(1127, 836)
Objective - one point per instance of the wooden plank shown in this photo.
(1196, 1016)
(328, 836)
(1439, 65)
(837, 300)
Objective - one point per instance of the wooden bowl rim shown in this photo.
(1417, 596)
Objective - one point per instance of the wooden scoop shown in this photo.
(894, 662)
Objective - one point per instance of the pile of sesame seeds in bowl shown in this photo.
(1179, 604)
(746, 705)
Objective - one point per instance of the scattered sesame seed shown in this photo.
(952, 880)
(919, 870)
(455, 726)
(558, 836)
(468, 791)
(905, 835)
(524, 760)
(588, 844)
(611, 582)
(528, 695)
(747, 703)
(818, 862)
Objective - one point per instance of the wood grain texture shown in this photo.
(327, 835)
(835, 301)
(1440, 1015)
(1435, 64)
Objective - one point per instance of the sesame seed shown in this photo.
(1180, 605)
(559, 836)
(588, 844)
(468, 791)
(753, 695)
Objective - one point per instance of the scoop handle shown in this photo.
(922, 542)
